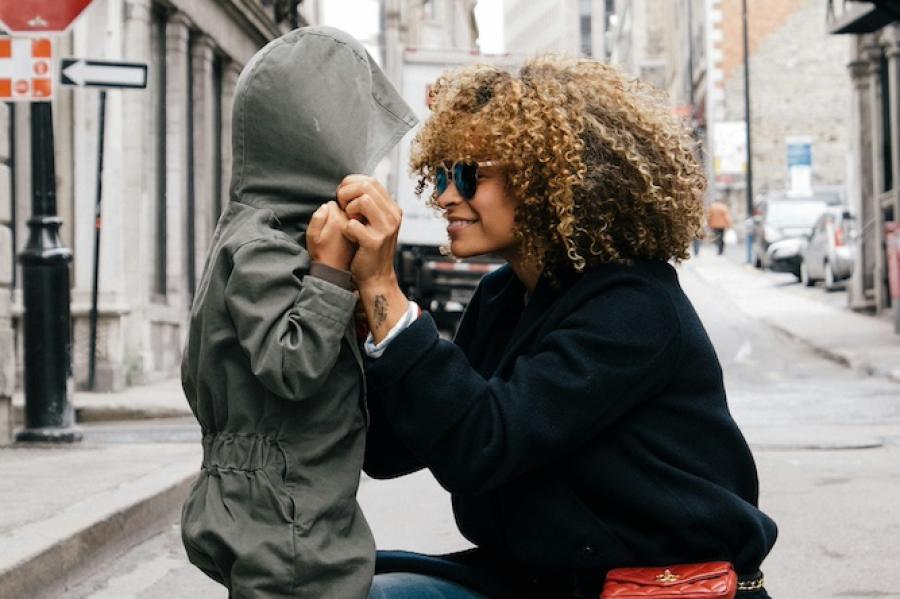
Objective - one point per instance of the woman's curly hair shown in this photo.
(602, 169)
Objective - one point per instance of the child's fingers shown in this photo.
(317, 223)
(335, 214)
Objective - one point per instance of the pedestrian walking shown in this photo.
(579, 417)
(272, 368)
(718, 220)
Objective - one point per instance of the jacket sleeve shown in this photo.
(387, 456)
(289, 325)
(604, 358)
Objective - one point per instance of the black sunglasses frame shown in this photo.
(464, 175)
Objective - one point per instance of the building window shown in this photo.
(218, 70)
(886, 124)
(585, 17)
(429, 8)
(191, 208)
(159, 115)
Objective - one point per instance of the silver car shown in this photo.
(829, 251)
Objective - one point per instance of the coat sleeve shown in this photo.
(290, 325)
(387, 456)
(615, 351)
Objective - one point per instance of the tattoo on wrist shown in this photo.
(380, 310)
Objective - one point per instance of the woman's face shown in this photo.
(483, 224)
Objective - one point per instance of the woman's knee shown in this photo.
(404, 585)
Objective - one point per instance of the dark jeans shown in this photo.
(404, 585)
(719, 239)
(407, 575)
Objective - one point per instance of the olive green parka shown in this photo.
(272, 369)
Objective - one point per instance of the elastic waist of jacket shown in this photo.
(243, 452)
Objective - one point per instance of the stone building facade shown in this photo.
(798, 87)
(7, 272)
(165, 180)
(665, 43)
(431, 24)
(872, 30)
(574, 27)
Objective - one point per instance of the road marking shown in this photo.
(743, 353)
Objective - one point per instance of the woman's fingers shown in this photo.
(360, 234)
(354, 186)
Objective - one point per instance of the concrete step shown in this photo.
(68, 510)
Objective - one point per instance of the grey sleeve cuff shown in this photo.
(335, 276)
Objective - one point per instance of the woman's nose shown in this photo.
(450, 197)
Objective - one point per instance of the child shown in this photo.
(272, 369)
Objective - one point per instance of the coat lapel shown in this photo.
(536, 312)
(497, 300)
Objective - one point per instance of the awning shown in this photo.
(866, 16)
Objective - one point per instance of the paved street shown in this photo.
(826, 440)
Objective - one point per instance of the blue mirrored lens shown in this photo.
(440, 180)
(465, 176)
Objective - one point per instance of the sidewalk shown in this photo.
(861, 342)
(67, 509)
(158, 400)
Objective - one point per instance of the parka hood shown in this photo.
(310, 108)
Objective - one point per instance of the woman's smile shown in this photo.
(458, 224)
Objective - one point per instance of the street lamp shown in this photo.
(49, 414)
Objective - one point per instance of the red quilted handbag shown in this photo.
(710, 580)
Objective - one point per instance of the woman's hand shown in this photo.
(374, 222)
(325, 239)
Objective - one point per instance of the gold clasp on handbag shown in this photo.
(667, 576)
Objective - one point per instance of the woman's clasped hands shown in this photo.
(359, 233)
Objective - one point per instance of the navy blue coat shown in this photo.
(585, 430)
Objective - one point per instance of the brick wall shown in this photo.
(799, 86)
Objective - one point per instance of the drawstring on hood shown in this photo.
(310, 108)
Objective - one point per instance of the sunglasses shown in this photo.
(462, 174)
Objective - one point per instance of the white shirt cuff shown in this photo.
(374, 350)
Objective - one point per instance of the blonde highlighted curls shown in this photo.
(602, 170)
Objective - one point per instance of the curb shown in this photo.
(111, 413)
(832, 355)
(837, 356)
(57, 552)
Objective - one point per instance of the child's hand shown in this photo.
(325, 240)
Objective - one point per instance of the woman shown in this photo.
(579, 417)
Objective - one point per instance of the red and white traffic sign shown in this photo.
(39, 17)
(26, 69)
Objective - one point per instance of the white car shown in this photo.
(829, 252)
(786, 255)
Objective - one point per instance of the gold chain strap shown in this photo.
(752, 585)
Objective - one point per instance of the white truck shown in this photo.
(439, 283)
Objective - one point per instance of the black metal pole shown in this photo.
(92, 357)
(49, 414)
(747, 110)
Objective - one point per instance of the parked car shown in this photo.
(786, 255)
(829, 253)
(781, 217)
